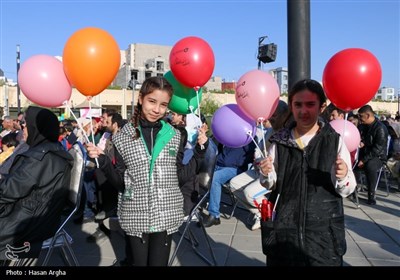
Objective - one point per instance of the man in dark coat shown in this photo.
(374, 148)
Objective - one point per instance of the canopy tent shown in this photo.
(87, 104)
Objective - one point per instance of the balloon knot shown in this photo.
(196, 88)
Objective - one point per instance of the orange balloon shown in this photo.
(91, 60)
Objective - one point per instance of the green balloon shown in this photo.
(183, 98)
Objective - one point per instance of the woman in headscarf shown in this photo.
(34, 193)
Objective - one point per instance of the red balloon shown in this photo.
(192, 61)
(351, 78)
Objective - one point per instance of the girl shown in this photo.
(309, 171)
(147, 171)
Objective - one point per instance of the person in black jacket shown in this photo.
(35, 191)
(188, 125)
(374, 148)
(309, 171)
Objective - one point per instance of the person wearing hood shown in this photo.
(35, 191)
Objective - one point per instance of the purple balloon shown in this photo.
(231, 126)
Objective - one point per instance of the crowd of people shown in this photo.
(143, 173)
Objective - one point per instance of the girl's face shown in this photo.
(306, 108)
(154, 105)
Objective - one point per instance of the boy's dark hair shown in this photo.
(116, 118)
(10, 140)
(366, 109)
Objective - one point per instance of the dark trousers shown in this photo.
(371, 169)
(152, 249)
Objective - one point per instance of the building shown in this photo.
(228, 86)
(140, 61)
(281, 76)
(214, 84)
(386, 94)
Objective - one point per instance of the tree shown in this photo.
(209, 105)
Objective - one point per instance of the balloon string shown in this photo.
(91, 129)
(80, 126)
(342, 141)
(198, 101)
(344, 131)
(261, 120)
(255, 142)
(191, 109)
(197, 127)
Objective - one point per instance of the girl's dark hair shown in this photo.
(149, 85)
(301, 85)
(310, 85)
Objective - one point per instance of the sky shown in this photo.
(232, 29)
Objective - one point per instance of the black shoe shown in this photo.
(78, 220)
(125, 262)
(371, 201)
(211, 221)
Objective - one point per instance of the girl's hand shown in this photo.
(341, 168)
(266, 165)
(202, 138)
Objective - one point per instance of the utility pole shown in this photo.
(260, 43)
(18, 88)
(299, 50)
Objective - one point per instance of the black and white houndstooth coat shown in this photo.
(152, 200)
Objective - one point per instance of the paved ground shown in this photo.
(372, 234)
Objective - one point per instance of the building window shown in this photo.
(160, 66)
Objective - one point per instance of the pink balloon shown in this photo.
(257, 94)
(352, 136)
(43, 81)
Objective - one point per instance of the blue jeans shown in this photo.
(221, 176)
